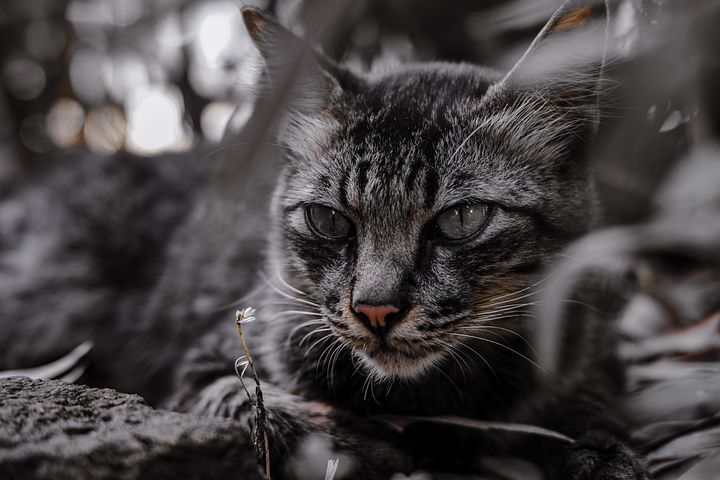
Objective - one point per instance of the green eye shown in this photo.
(328, 223)
(461, 221)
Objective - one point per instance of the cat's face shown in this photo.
(415, 207)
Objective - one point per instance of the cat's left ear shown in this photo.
(306, 81)
(565, 62)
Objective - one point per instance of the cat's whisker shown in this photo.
(337, 346)
(285, 294)
(452, 382)
(508, 308)
(372, 393)
(454, 355)
(291, 303)
(490, 315)
(516, 298)
(581, 303)
(278, 274)
(302, 325)
(480, 356)
(318, 341)
(290, 297)
(493, 300)
(322, 355)
(504, 316)
(500, 345)
(296, 313)
(364, 387)
(329, 351)
(344, 344)
(317, 330)
(507, 330)
(487, 330)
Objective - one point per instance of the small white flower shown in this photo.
(246, 315)
(241, 362)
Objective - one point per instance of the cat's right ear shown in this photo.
(294, 71)
(565, 62)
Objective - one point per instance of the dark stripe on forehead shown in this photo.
(362, 175)
(432, 186)
(342, 189)
(412, 174)
(324, 181)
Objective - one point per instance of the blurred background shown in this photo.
(157, 76)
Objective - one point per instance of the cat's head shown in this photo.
(416, 204)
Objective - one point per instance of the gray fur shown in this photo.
(390, 152)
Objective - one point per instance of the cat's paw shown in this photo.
(600, 456)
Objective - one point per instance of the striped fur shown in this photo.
(390, 151)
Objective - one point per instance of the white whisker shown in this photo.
(285, 282)
(318, 341)
(317, 330)
(500, 345)
(494, 327)
(302, 325)
(479, 355)
(296, 312)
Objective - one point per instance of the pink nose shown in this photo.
(376, 314)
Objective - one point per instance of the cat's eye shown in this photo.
(327, 222)
(462, 220)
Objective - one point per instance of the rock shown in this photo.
(56, 430)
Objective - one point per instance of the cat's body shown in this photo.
(407, 236)
(378, 301)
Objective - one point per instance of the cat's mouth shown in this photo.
(399, 353)
(391, 359)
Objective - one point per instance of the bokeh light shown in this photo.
(86, 75)
(23, 78)
(33, 134)
(154, 120)
(221, 52)
(123, 72)
(64, 122)
(44, 40)
(215, 117)
(105, 130)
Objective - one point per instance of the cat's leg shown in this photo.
(602, 450)
(305, 434)
(599, 455)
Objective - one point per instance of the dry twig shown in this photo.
(262, 445)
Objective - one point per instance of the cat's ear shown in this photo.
(565, 62)
(307, 82)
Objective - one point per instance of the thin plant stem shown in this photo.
(262, 443)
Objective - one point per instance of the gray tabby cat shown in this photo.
(410, 226)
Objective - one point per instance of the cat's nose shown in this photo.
(379, 319)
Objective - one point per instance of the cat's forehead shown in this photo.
(409, 143)
(414, 105)
(398, 134)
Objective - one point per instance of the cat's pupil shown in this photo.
(462, 221)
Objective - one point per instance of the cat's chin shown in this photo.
(391, 363)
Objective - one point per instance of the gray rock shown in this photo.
(56, 430)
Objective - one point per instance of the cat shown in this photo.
(409, 228)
